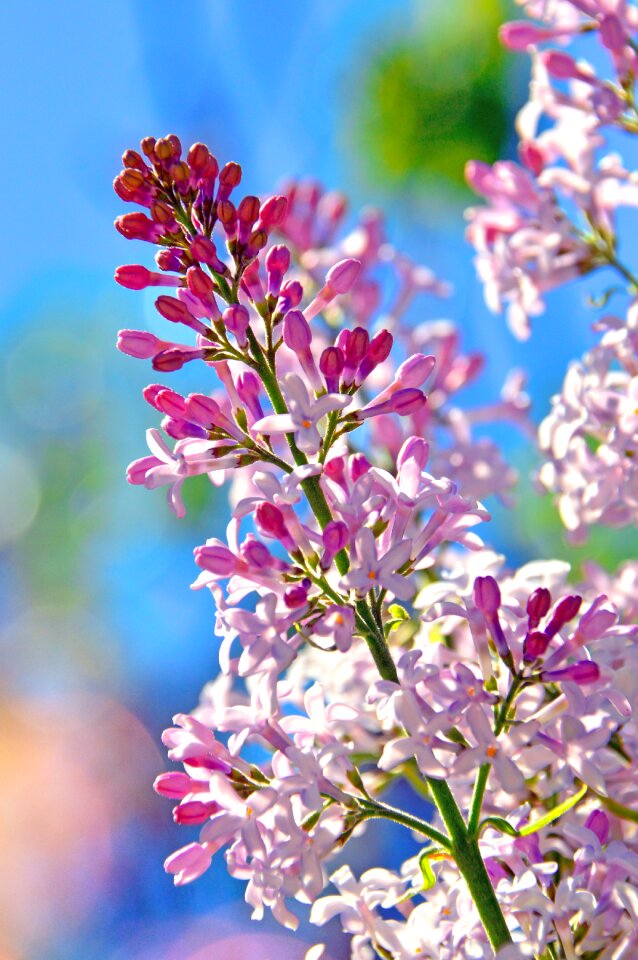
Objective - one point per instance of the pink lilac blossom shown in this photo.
(367, 635)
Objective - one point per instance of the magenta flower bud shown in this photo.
(257, 555)
(297, 333)
(171, 403)
(204, 250)
(270, 522)
(357, 345)
(256, 242)
(174, 784)
(277, 265)
(520, 34)
(532, 157)
(237, 320)
(534, 645)
(564, 611)
(405, 402)
(247, 213)
(139, 344)
(227, 217)
(134, 276)
(170, 258)
(202, 409)
(180, 429)
(151, 392)
(359, 464)
(217, 559)
(273, 212)
(487, 595)
(331, 364)
(194, 812)
(297, 595)
(612, 33)
(598, 823)
(582, 672)
(335, 469)
(199, 283)
(251, 283)
(335, 538)
(229, 178)
(378, 351)
(343, 276)
(249, 392)
(290, 297)
(538, 604)
(201, 161)
(174, 358)
(560, 65)
(174, 310)
(137, 226)
(414, 448)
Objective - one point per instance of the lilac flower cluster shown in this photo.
(552, 217)
(366, 633)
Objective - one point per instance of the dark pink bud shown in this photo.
(297, 333)
(249, 391)
(335, 469)
(171, 403)
(216, 559)
(583, 671)
(356, 346)
(199, 283)
(487, 595)
(335, 536)
(273, 212)
(229, 178)
(532, 157)
(202, 162)
(237, 320)
(331, 364)
(257, 555)
(174, 358)
(290, 297)
(277, 264)
(202, 409)
(251, 282)
(171, 258)
(564, 611)
(194, 811)
(405, 402)
(538, 605)
(560, 65)
(137, 226)
(174, 310)
(247, 213)
(151, 392)
(297, 595)
(134, 276)
(612, 34)
(359, 464)
(270, 522)
(343, 276)
(227, 217)
(180, 429)
(378, 351)
(174, 784)
(204, 250)
(598, 823)
(256, 242)
(534, 645)
(520, 34)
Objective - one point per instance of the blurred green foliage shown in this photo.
(435, 97)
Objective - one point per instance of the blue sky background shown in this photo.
(100, 639)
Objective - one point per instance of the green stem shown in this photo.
(470, 863)
(382, 811)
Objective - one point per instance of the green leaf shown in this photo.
(499, 823)
(426, 871)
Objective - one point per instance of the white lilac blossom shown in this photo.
(367, 636)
